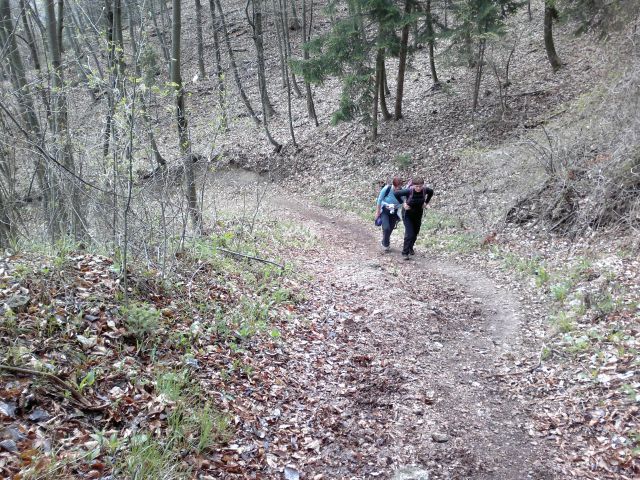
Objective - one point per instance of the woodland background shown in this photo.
(127, 133)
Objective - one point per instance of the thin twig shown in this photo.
(250, 257)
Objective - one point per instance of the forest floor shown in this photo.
(348, 364)
(387, 369)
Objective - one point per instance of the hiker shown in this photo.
(387, 211)
(416, 197)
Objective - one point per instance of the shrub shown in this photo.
(142, 321)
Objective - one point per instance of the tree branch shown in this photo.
(257, 259)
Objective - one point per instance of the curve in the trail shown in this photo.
(501, 308)
(486, 425)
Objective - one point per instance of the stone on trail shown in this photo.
(410, 473)
(17, 303)
(439, 437)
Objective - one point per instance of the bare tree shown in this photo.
(482, 44)
(199, 39)
(181, 117)
(288, 83)
(431, 43)
(234, 67)
(217, 60)
(376, 92)
(402, 64)
(287, 43)
(383, 80)
(281, 46)
(160, 32)
(69, 214)
(255, 21)
(28, 33)
(550, 13)
(157, 156)
(306, 37)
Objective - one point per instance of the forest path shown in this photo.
(405, 383)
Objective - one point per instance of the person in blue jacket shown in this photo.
(387, 210)
(416, 198)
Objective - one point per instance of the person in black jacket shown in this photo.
(417, 196)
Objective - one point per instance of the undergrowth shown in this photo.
(150, 344)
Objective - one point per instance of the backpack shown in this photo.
(409, 184)
(378, 220)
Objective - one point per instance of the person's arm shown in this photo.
(401, 197)
(405, 192)
(428, 193)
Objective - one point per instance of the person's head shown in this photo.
(418, 183)
(396, 182)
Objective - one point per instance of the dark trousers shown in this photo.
(412, 222)
(389, 222)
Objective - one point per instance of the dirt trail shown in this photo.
(413, 392)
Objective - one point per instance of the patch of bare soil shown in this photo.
(402, 375)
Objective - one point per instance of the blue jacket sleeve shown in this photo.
(380, 195)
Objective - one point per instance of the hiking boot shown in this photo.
(412, 252)
(385, 249)
(405, 256)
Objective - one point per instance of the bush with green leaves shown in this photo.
(403, 161)
(142, 321)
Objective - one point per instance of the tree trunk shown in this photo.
(550, 13)
(111, 47)
(8, 208)
(468, 47)
(478, 79)
(446, 13)
(255, 20)
(118, 38)
(79, 54)
(234, 67)
(160, 32)
(60, 26)
(402, 64)
(25, 101)
(28, 32)
(383, 100)
(181, 117)
(431, 42)
(295, 22)
(291, 131)
(199, 39)
(376, 92)
(256, 24)
(306, 37)
(157, 156)
(80, 27)
(287, 41)
(415, 30)
(281, 46)
(217, 60)
(17, 70)
(70, 214)
(385, 83)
